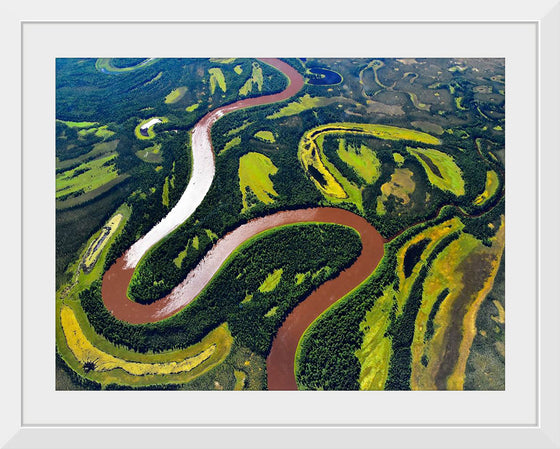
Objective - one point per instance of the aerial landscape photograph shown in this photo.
(280, 224)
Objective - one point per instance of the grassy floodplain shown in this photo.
(255, 170)
(441, 169)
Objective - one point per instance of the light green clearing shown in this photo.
(78, 124)
(498, 128)
(255, 170)
(151, 154)
(457, 68)
(179, 259)
(230, 144)
(451, 176)
(305, 103)
(490, 188)
(175, 95)
(217, 78)
(326, 271)
(362, 160)
(375, 352)
(192, 107)
(240, 377)
(271, 312)
(211, 235)
(165, 193)
(271, 281)
(233, 131)
(104, 65)
(102, 132)
(248, 298)
(223, 60)
(195, 242)
(398, 158)
(256, 78)
(151, 133)
(300, 277)
(99, 149)
(154, 79)
(265, 136)
(238, 69)
(95, 174)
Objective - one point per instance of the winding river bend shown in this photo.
(280, 362)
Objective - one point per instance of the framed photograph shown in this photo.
(417, 132)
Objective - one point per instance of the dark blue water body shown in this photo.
(322, 77)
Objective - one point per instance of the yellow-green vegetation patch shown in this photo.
(256, 78)
(376, 349)
(223, 60)
(498, 128)
(159, 168)
(465, 272)
(151, 154)
(241, 127)
(458, 103)
(192, 107)
(265, 136)
(398, 158)
(211, 235)
(105, 65)
(86, 177)
(255, 170)
(217, 79)
(362, 160)
(179, 259)
(329, 181)
(78, 124)
(271, 312)
(240, 377)
(271, 281)
(95, 358)
(230, 144)
(145, 129)
(441, 169)
(175, 95)
(247, 298)
(400, 186)
(195, 242)
(238, 69)
(101, 132)
(99, 149)
(154, 79)
(300, 277)
(490, 188)
(305, 103)
(95, 248)
(165, 192)
(429, 127)
(501, 318)
(417, 103)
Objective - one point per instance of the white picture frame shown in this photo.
(29, 418)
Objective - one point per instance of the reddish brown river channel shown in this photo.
(280, 362)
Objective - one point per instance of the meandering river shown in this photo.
(280, 362)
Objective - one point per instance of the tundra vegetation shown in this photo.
(415, 147)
